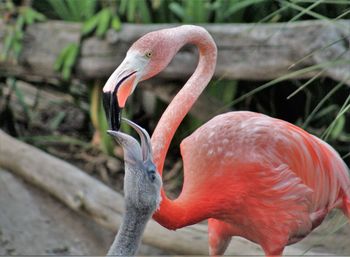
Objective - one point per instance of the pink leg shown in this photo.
(273, 251)
(219, 239)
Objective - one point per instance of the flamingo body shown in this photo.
(260, 178)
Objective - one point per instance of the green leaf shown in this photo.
(74, 7)
(60, 59)
(17, 48)
(61, 9)
(219, 7)
(28, 16)
(69, 60)
(18, 35)
(123, 6)
(57, 120)
(116, 24)
(131, 10)
(338, 127)
(9, 39)
(20, 22)
(89, 25)
(177, 10)
(239, 6)
(8, 44)
(98, 118)
(144, 12)
(20, 97)
(94, 104)
(88, 8)
(103, 22)
(39, 16)
(71, 55)
(329, 110)
(106, 140)
(66, 72)
(196, 11)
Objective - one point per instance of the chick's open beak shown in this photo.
(116, 91)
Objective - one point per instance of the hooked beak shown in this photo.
(116, 91)
(129, 143)
(132, 149)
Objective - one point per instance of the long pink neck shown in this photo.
(171, 213)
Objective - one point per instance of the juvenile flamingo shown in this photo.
(141, 191)
(251, 175)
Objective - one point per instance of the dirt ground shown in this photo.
(34, 223)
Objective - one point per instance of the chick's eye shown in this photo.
(151, 174)
(148, 54)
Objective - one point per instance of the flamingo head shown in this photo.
(146, 57)
(142, 183)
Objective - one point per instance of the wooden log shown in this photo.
(85, 194)
(43, 105)
(246, 51)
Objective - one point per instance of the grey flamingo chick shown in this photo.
(142, 184)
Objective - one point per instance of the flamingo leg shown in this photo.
(274, 251)
(219, 238)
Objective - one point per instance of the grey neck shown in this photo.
(128, 239)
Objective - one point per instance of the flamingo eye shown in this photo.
(148, 54)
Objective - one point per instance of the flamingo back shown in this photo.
(220, 153)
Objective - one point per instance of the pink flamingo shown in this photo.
(251, 175)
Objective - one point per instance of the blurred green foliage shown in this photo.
(72, 10)
(25, 15)
(197, 11)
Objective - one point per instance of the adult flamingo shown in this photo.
(251, 175)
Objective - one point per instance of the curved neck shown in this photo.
(128, 239)
(179, 107)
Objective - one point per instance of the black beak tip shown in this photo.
(112, 110)
(115, 122)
